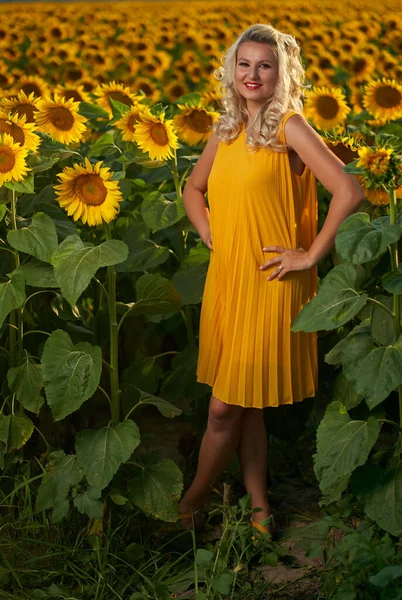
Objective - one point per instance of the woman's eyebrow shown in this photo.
(246, 59)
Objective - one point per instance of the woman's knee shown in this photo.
(222, 415)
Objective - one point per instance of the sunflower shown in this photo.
(33, 83)
(194, 124)
(116, 91)
(383, 99)
(326, 107)
(74, 91)
(21, 104)
(12, 160)
(129, 120)
(362, 67)
(175, 89)
(375, 160)
(21, 132)
(156, 136)
(60, 119)
(86, 192)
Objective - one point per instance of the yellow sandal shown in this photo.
(266, 530)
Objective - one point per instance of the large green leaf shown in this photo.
(359, 241)
(76, 264)
(38, 274)
(392, 282)
(380, 493)
(26, 381)
(156, 490)
(159, 213)
(379, 373)
(39, 239)
(88, 502)
(144, 373)
(62, 472)
(165, 408)
(71, 373)
(181, 381)
(335, 303)
(382, 323)
(344, 391)
(12, 294)
(143, 253)
(15, 430)
(156, 295)
(343, 444)
(189, 280)
(102, 452)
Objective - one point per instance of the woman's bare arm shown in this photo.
(347, 195)
(194, 191)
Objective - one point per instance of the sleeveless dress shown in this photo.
(247, 352)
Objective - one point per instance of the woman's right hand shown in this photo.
(207, 239)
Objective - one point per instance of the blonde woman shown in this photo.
(259, 168)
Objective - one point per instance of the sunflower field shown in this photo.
(104, 110)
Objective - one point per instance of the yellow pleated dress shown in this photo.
(247, 352)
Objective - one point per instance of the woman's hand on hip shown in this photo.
(289, 259)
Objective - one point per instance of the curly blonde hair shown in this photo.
(263, 129)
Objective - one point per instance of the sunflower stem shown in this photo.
(16, 333)
(114, 349)
(187, 309)
(394, 266)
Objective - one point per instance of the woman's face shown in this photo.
(256, 73)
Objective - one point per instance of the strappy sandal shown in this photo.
(265, 531)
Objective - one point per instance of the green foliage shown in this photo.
(71, 373)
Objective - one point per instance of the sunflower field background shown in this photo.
(104, 110)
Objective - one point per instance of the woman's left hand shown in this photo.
(290, 259)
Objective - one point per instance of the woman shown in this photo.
(259, 168)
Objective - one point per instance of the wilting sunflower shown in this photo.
(194, 124)
(21, 104)
(87, 193)
(60, 119)
(326, 107)
(21, 132)
(383, 99)
(127, 124)
(12, 160)
(156, 136)
(375, 160)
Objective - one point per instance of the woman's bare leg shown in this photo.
(253, 456)
(218, 445)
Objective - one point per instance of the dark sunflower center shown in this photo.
(31, 87)
(359, 65)
(159, 134)
(15, 131)
(90, 189)
(324, 63)
(199, 121)
(327, 107)
(120, 97)
(7, 159)
(26, 109)
(132, 121)
(388, 97)
(61, 118)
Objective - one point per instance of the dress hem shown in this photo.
(293, 401)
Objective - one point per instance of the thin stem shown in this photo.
(43, 438)
(114, 351)
(104, 392)
(382, 306)
(124, 317)
(394, 266)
